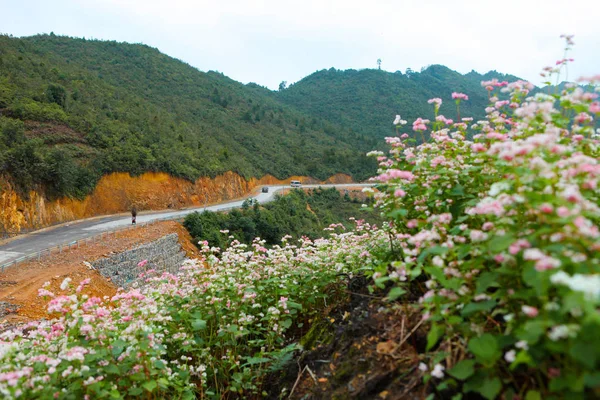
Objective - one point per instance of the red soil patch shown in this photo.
(19, 285)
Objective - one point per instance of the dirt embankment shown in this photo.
(118, 192)
(363, 348)
(19, 285)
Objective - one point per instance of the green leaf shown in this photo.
(580, 351)
(401, 212)
(500, 243)
(149, 385)
(435, 333)
(457, 190)
(592, 379)
(395, 292)
(435, 250)
(198, 324)
(112, 369)
(292, 304)
(533, 395)
(463, 369)
(134, 391)
(485, 281)
(256, 360)
(286, 323)
(485, 348)
(532, 331)
(522, 358)
(479, 306)
(490, 388)
(117, 347)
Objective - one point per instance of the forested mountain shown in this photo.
(74, 109)
(367, 101)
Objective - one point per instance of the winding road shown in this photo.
(65, 234)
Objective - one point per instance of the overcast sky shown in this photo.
(269, 41)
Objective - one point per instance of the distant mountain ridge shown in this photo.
(73, 110)
(368, 100)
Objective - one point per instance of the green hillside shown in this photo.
(72, 110)
(368, 100)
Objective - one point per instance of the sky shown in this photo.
(270, 41)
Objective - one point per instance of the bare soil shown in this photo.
(365, 348)
(19, 285)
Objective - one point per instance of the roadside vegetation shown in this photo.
(294, 215)
(491, 240)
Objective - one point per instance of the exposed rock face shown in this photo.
(118, 192)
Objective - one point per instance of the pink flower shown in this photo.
(436, 101)
(420, 124)
(399, 193)
(478, 147)
(531, 312)
(518, 246)
(487, 226)
(412, 223)
(553, 372)
(546, 208)
(595, 107)
(563, 212)
(460, 96)
(142, 263)
(546, 263)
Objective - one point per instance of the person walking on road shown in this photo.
(133, 215)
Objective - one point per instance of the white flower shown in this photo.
(438, 261)
(498, 188)
(522, 344)
(438, 371)
(477, 236)
(399, 121)
(589, 285)
(6, 348)
(423, 367)
(65, 284)
(510, 356)
(563, 331)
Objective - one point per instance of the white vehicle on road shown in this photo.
(295, 184)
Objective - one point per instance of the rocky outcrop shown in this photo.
(118, 192)
(162, 255)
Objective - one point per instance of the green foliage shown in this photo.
(135, 110)
(498, 239)
(367, 100)
(296, 214)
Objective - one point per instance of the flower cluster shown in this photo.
(213, 329)
(498, 236)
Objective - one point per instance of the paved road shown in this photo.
(78, 230)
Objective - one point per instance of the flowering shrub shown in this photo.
(213, 330)
(497, 230)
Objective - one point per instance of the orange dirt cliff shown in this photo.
(118, 192)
